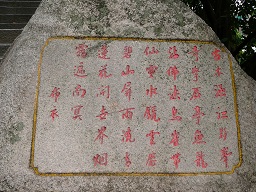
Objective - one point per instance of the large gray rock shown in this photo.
(145, 19)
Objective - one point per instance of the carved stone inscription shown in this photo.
(134, 106)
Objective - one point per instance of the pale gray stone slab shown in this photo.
(144, 19)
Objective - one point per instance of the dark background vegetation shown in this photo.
(234, 22)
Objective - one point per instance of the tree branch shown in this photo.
(245, 42)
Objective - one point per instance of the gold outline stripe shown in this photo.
(32, 155)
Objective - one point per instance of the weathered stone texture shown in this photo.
(148, 19)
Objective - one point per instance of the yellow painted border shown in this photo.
(32, 154)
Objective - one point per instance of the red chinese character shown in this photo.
(101, 134)
(128, 71)
(222, 114)
(196, 93)
(127, 136)
(151, 91)
(173, 53)
(127, 113)
(176, 160)
(152, 134)
(103, 72)
(127, 51)
(224, 155)
(78, 91)
(200, 160)
(216, 54)
(54, 113)
(79, 71)
(76, 110)
(127, 90)
(175, 94)
(195, 52)
(55, 94)
(150, 113)
(81, 50)
(103, 114)
(102, 53)
(127, 160)
(223, 134)
(218, 72)
(153, 51)
(100, 159)
(175, 138)
(195, 71)
(151, 70)
(173, 71)
(220, 91)
(104, 90)
(174, 115)
(198, 137)
(151, 160)
(197, 115)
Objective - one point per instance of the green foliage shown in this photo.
(234, 21)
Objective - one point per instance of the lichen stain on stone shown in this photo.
(102, 8)
(14, 131)
(158, 30)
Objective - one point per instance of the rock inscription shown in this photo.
(119, 106)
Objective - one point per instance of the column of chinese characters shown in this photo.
(104, 91)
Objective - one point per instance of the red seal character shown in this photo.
(81, 50)
(104, 91)
(76, 111)
(222, 115)
(101, 134)
(103, 114)
(79, 71)
(196, 93)
(54, 113)
(151, 162)
(152, 134)
(151, 91)
(223, 134)
(127, 90)
(176, 160)
(103, 72)
(79, 91)
(224, 155)
(150, 113)
(127, 52)
(128, 71)
(100, 159)
(127, 160)
(218, 72)
(195, 52)
(173, 71)
(150, 51)
(103, 51)
(198, 114)
(198, 138)
(220, 91)
(55, 94)
(175, 117)
(151, 70)
(216, 54)
(127, 136)
(175, 138)
(175, 93)
(195, 71)
(200, 160)
(127, 113)
(173, 53)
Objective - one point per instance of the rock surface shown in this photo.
(146, 19)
